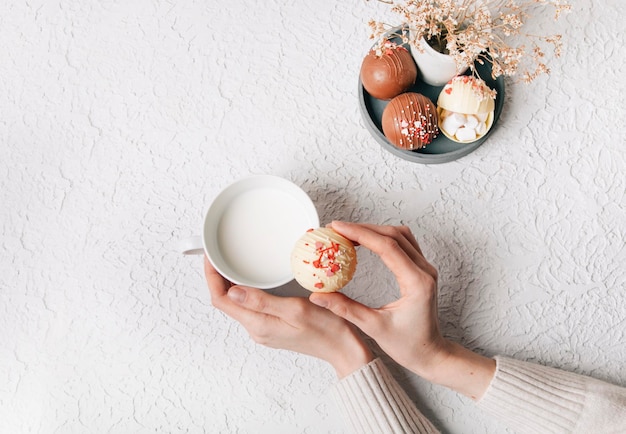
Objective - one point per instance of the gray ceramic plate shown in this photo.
(442, 149)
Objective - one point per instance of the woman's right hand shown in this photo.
(408, 328)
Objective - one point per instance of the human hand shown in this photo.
(408, 328)
(290, 323)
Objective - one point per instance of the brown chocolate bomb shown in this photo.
(410, 121)
(388, 72)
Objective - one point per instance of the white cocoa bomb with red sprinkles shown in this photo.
(465, 109)
(323, 261)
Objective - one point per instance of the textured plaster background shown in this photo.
(120, 121)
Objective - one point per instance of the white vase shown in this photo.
(434, 67)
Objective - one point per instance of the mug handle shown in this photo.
(191, 246)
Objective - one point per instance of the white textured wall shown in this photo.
(120, 121)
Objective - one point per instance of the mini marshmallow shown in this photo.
(450, 125)
(464, 134)
(482, 117)
(458, 117)
(471, 122)
(453, 122)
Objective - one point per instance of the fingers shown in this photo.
(404, 237)
(410, 238)
(249, 306)
(218, 286)
(365, 318)
(257, 300)
(369, 237)
(224, 297)
(402, 234)
(396, 246)
(392, 231)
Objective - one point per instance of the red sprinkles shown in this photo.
(326, 260)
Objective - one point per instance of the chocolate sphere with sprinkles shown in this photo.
(388, 71)
(410, 121)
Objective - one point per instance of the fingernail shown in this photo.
(237, 294)
(320, 301)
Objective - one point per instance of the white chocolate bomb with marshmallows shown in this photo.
(465, 109)
(323, 261)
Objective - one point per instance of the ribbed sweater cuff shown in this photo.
(534, 398)
(374, 402)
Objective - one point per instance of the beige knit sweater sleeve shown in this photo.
(531, 398)
(527, 397)
(373, 402)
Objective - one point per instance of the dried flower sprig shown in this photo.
(479, 31)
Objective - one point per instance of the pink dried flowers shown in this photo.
(480, 30)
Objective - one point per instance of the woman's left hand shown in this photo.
(290, 323)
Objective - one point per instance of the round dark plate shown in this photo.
(442, 149)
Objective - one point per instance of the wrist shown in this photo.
(462, 370)
(351, 355)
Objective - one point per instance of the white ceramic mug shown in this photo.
(250, 229)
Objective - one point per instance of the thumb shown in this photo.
(363, 317)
